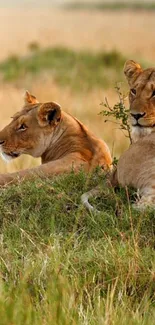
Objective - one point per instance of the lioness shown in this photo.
(62, 142)
(136, 165)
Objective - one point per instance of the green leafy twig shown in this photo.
(119, 112)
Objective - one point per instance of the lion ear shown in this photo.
(29, 99)
(49, 114)
(132, 70)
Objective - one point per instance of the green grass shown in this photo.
(79, 70)
(62, 265)
(115, 5)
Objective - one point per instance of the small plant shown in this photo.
(119, 112)
(114, 162)
(33, 46)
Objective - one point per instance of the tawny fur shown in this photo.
(136, 166)
(62, 142)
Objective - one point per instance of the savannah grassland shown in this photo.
(61, 265)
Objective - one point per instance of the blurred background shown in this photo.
(72, 52)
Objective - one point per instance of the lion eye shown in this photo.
(153, 94)
(22, 127)
(133, 91)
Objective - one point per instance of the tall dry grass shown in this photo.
(130, 32)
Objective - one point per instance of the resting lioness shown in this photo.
(136, 166)
(62, 142)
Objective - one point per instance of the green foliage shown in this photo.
(119, 112)
(79, 70)
(62, 265)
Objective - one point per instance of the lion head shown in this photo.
(141, 98)
(31, 130)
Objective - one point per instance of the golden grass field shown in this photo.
(131, 33)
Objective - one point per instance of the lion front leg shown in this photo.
(5, 179)
(57, 167)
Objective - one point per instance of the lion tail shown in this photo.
(86, 196)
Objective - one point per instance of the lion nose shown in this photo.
(137, 116)
(1, 142)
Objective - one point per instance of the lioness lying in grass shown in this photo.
(136, 165)
(62, 142)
